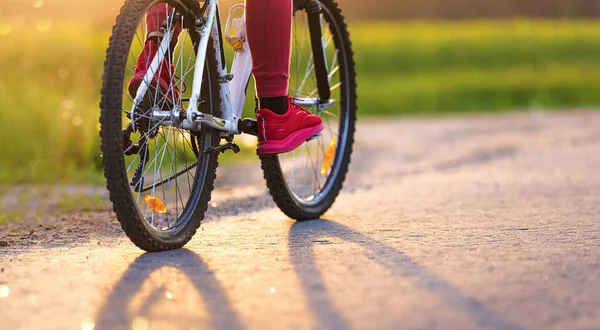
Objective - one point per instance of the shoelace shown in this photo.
(297, 106)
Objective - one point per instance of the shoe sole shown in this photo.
(290, 143)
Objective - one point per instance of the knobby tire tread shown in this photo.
(272, 172)
(124, 206)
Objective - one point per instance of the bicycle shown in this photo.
(160, 148)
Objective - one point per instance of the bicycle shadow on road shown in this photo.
(304, 235)
(114, 315)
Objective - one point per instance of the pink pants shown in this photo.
(269, 28)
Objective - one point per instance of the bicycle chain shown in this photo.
(166, 180)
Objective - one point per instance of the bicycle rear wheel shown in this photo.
(304, 183)
(158, 176)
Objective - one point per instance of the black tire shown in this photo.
(141, 233)
(290, 203)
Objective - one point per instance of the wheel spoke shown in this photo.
(302, 167)
(171, 155)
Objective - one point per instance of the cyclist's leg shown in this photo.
(155, 18)
(269, 30)
(282, 126)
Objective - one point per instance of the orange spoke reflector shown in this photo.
(329, 154)
(155, 204)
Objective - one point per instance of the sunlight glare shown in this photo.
(5, 29)
(140, 323)
(87, 324)
(68, 104)
(4, 291)
(43, 25)
(77, 121)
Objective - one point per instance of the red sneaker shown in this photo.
(283, 133)
(163, 78)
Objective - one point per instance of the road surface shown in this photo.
(459, 223)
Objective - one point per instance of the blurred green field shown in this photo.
(425, 68)
(51, 77)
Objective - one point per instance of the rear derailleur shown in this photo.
(141, 149)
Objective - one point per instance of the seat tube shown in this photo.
(241, 68)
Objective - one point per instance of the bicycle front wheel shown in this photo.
(158, 175)
(304, 183)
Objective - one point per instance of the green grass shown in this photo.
(419, 68)
(6, 217)
(49, 91)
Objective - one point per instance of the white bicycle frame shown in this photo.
(233, 85)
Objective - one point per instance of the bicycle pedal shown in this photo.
(222, 148)
(314, 137)
(248, 126)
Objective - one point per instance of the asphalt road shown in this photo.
(465, 223)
